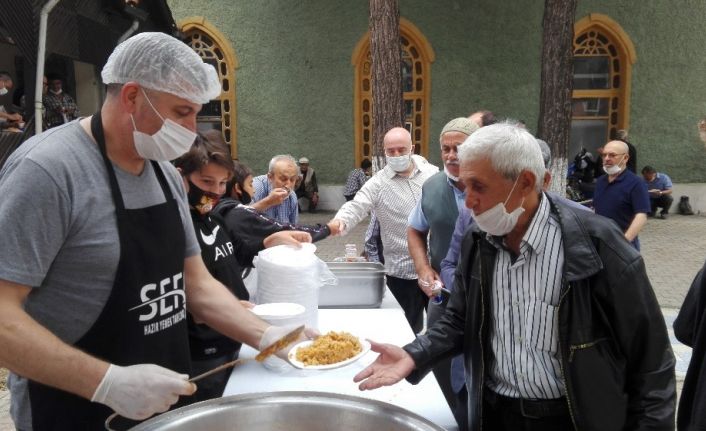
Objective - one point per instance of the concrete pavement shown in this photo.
(6, 423)
(674, 250)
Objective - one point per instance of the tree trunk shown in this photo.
(557, 85)
(386, 76)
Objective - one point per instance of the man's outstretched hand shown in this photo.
(393, 365)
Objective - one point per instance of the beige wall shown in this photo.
(696, 193)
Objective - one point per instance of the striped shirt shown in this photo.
(524, 299)
(392, 197)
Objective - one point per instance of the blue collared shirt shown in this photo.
(286, 212)
(660, 182)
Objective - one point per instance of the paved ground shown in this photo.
(674, 251)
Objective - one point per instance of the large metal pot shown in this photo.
(289, 411)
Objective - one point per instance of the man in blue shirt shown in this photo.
(621, 195)
(274, 192)
(659, 186)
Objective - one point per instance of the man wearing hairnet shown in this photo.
(98, 253)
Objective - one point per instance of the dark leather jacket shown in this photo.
(614, 351)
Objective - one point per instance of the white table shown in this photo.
(387, 325)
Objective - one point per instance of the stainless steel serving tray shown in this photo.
(360, 285)
(289, 411)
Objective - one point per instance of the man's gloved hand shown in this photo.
(140, 391)
(274, 333)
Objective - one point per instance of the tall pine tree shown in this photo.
(386, 75)
(557, 85)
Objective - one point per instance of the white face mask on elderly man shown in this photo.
(496, 220)
(615, 169)
(3, 91)
(171, 140)
(399, 163)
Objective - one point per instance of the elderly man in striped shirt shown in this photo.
(552, 308)
(392, 193)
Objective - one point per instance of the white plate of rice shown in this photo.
(330, 350)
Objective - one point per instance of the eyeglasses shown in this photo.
(397, 152)
(611, 155)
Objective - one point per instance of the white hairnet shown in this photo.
(161, 62)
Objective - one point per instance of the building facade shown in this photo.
(295, 75)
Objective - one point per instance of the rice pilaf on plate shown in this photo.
(331, 348)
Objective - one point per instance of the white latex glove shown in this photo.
(140, 391)
(274, 333)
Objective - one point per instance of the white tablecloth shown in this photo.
(387, 325)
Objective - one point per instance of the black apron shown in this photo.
(144, 319)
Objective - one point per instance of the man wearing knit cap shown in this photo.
(435, 217)
(95, 272)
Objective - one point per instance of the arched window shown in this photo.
(417, 56)
(214, 48)
(603, 59)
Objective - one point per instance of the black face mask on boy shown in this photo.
(200, 200)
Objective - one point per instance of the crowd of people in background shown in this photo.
(58, 107)
(539, 312)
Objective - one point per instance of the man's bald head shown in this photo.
(615, 155)
(483, 118)
(398, 150)
(617, 147)
(396, 136)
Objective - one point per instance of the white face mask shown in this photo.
(399, 163)
(615, 169)
(3, 91)
(449, 175)
(497, 221)
(171, 140)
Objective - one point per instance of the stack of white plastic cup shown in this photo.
(288, 274)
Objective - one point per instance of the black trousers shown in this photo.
(664, 202)
(412, 300)
(510, 414)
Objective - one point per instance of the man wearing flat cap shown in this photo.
(434, 219)
(95, 271)
(307, 186)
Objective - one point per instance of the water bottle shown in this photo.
(351, 253)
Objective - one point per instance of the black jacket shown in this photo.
(250, 225)
(225, 257)
(614, 351)
(690, 329)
